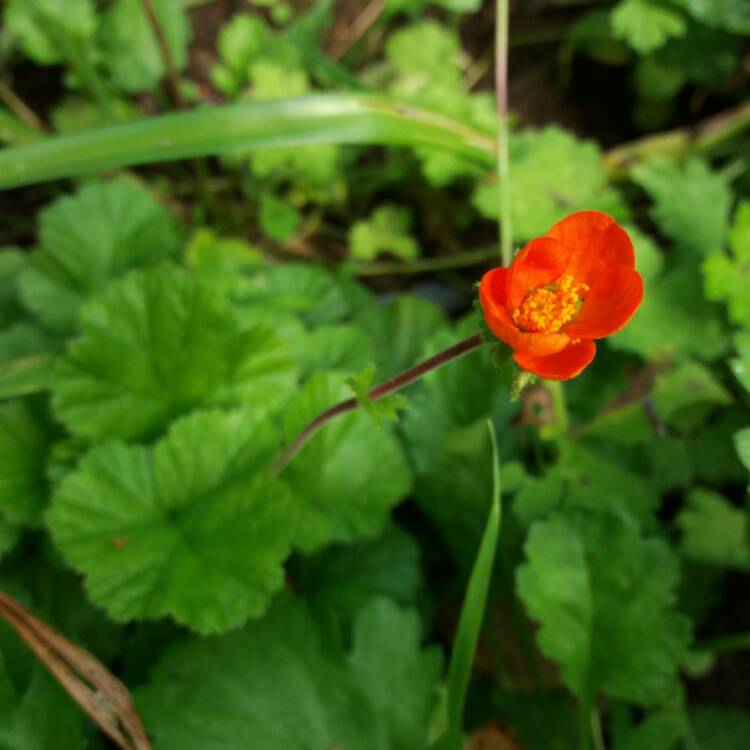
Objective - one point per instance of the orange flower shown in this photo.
(561, 291)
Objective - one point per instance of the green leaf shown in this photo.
(684, 396)
(592, 33)
(279, 219)
(40, 25)
(240, 41)
(714, 531)
(472, 611)
(604, 596)
(649, 260)
(691, 203)
(39, 715)
(424, 52)
(656, 81)
(661, 730)
(312, 172)
(304, 693)
(730, 15)
(727, 277)
(554, 174)
(413, 7)
(130, 49)
(156, 345)
(646, 25)
(400, 679)
(674, 318)
(276, 79)
(343, 578)
(24, 375)
(221, 261)
(400, 330)
(24, 446)
(583, 478)
(87, 239)
(387, 230)
(194, 527)
(338, 347)
(304, 289)
(76, 114)
(348, 476)
(705, 56)
(713, 458)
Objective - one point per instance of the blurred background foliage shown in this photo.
(164, 330)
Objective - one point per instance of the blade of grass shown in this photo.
(297, 121)
(472, 612)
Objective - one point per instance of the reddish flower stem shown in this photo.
(396, 383)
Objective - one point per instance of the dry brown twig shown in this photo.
(96, 690)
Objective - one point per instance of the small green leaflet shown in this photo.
(381, 410)
(647, 25)
(386, 230)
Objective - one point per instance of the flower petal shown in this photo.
(596, 242)
(564, 365)
(609, 305)
(493, 288)
(535, 344)
(541, 262)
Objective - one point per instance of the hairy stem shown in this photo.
(501, 89)
(396, 383)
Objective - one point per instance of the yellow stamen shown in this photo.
(547, 309)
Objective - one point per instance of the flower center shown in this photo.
(548, 308)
